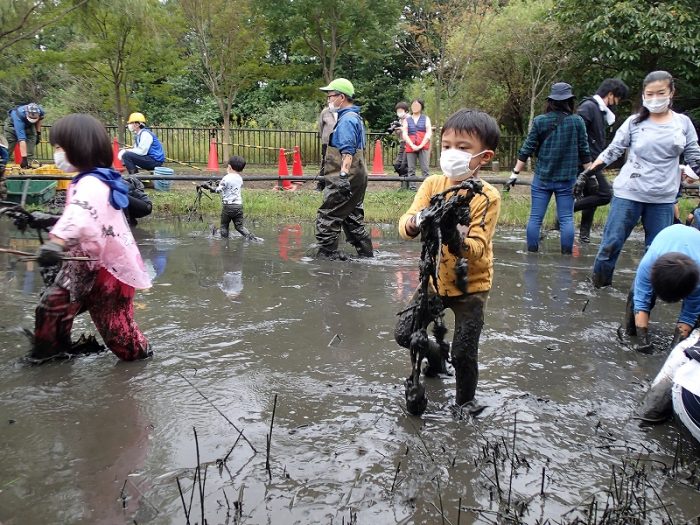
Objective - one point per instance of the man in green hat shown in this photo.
(346, 177)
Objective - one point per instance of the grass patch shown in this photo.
(381, 206)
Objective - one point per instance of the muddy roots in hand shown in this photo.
(439, 227)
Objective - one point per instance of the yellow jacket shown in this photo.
(477, 246)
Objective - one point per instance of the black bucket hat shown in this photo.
(561, 91)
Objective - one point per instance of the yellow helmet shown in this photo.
(136, 117)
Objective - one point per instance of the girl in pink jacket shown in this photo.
(93, 225)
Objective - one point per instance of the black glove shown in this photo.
(38, 137)
(24, 164)
(641, 342)
(593, 185)
(39, 220)
(343, 185)
(50, 253)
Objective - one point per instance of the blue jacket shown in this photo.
(676, 238)
(18, 116)
(349, 132)
(156, 151)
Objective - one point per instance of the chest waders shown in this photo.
(338, 212)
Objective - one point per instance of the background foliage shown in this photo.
(260, 63)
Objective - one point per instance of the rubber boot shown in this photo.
(584, 234)
(364, 248)
(331, 255)
(657, 405)
(600, 281)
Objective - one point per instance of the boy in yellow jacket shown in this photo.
(464, 267)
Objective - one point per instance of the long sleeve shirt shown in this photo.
(562, 152)
(349, 133)
(478, 240)
(18, 116)
(652, 171)
(676, 238)
(230, 189)
(91, 224)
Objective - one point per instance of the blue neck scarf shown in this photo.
(118, 190)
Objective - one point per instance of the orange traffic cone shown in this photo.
(378, 162)
(115, 156)
(213, 162)
(297, 168)
(283, 172)
(18, 155)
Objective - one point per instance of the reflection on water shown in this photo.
(97, 441)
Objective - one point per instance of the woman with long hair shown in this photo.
(647, 185)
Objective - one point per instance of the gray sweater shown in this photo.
(651, 173)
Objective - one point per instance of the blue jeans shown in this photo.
(623, 217)
(540, 195)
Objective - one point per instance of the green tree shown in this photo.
(439, 38)
(227, 42)
(23, 19)
(521, 54)
(326, 30)
(628, 39)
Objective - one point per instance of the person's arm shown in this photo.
(530, 144)
(407, 222)
(404, 133)
(145, 141)
(691, 152)
(643, 292)
(584, 152)
(616, 148)
(690, 311)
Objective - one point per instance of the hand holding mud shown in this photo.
(49, 254)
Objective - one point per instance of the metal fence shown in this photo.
(260, 147)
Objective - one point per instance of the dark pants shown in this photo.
(132, 162)
(233, 213)
(590, 201)
(469, 320)
(623, 216)
(11, 136)
(111, 306)
(338, 212)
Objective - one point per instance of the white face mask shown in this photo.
(401, 114)
(657, 105)
(59, 159)
(455, 163)
(133, 127)
(332, 107)
(33, 120)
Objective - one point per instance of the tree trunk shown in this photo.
(119, 112)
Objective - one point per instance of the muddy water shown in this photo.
(94, 440)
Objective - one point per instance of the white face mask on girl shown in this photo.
(657, 105)
(61, 162)
(455, 163)
(401, 114)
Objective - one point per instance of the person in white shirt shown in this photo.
(231, 198)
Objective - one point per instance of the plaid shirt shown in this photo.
(561, 153)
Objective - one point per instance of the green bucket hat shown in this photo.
(341, 85)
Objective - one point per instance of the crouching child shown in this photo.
(459, 277)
